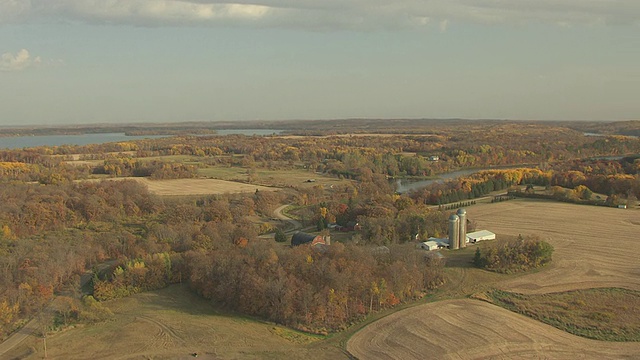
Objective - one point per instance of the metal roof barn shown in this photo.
(481, 235)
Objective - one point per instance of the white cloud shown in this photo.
(146, 12)
(20, 61)
(325, 14)
(13, 10)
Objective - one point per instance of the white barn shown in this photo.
(443, 243)
(428, 245)
(481, 235)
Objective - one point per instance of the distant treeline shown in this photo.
(628, 128)
(614, 178)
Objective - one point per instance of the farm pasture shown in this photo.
(199, 186)
(174, 323)
(297, 178)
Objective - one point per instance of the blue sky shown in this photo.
(119, 61)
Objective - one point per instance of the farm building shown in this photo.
(458, 230)
(481, 235)
(442, 243)
(428, 245)
(433, 244)
(300, 238)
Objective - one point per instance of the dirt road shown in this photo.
(278, 213)
(18, 337)
(32, 329)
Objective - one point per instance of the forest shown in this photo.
(62, 215)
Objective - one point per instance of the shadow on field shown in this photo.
(462, 258)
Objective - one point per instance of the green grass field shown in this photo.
(299, 178)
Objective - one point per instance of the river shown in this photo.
(405, 185)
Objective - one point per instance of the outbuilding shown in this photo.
(481, 235)
(443, 243)
(428, 245)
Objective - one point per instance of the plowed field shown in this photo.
(471, 329)
(594, 247)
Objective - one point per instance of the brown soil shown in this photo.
(471, 329)
(594, 247)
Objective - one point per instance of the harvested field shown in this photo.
(173, 323)
(471, 329)
(594, 246)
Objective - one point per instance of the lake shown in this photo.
(19, 142)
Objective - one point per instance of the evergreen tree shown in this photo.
(280, 236)
(477, 259)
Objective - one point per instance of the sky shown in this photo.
(124, 61)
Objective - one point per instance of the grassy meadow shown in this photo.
(610, 314)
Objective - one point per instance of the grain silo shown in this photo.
(454, 232)
(462, 214)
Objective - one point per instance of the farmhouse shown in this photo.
(481, 235)
(300, 238)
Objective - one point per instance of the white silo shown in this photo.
(454, 232)
(462, 214)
